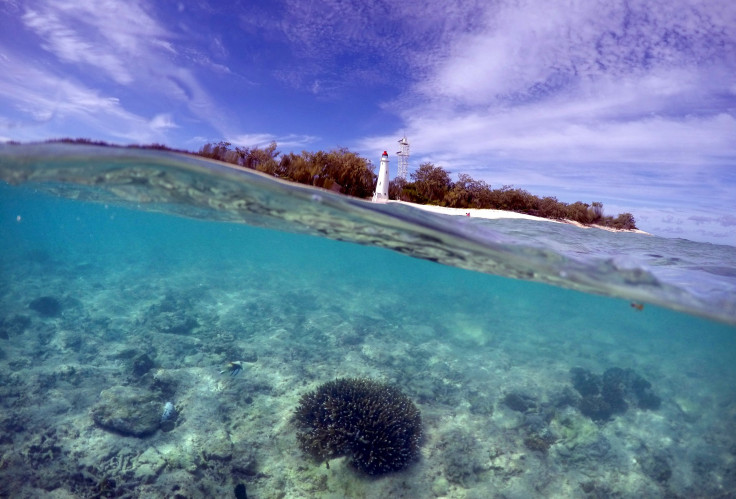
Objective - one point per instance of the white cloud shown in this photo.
(593, 100)
(358, 43)
(571, 133)
(530, 49)
(68, 46)
(43, 95)
(122, 41)
(509, 56)
(584, 81)
(162, 121)
(291, 141)
(294, 141)
(252, 140)
(47, 106)
(107, 35)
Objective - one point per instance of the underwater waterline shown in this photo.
(166, 283)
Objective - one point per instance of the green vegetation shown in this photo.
(339, 170)
(431, 184)
(346, 172)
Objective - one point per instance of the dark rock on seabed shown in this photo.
(46, 306)
(172, 315)
(519, 402)
(15, 325)
(142, 364)
(128, 411)
(612, 393)
(656, 465)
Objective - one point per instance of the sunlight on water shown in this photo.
(109, 312)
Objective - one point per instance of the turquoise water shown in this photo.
(145, 306)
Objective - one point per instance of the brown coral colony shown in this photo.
(374, 425)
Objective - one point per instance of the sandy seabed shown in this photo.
(492, 382)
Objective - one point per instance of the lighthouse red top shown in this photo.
(384, 153)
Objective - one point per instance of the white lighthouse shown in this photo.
(381, 194)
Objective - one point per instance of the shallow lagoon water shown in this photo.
(155, 297)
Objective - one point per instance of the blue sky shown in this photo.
(632, 103)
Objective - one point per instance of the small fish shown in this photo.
(637, 306)
(233, 368)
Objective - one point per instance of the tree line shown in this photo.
(339, 170)
(431, 184)
(346, 172)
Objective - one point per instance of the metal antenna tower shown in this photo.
(403, 155)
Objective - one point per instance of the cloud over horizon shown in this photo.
(625, 101)
(590, 81)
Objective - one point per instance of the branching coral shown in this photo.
(374, 424)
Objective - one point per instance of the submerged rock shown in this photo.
(585, 382)
(565, 398)
(612, 393)
(142, 364)
(219, 446)
(14, 326)
(46, 306)
(240, 492)
(172, 315)
(463, 457)
(128, 411)
(597, 408)
(540, 443)
(519, 402)
(656, 466)
(175, 323)
(149, 465)
(480, 403)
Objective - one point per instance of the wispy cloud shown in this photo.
(162, 122)
(532, 49)
(291, 141)
(104, 35)
(543, 93)
(344, 44)
(65, 106)
(121, 41)
(627, 102)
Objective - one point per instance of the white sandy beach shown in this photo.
(488, 214)
(498, 214)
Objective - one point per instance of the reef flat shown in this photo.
(97, 337)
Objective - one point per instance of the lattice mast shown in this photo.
(403, 155)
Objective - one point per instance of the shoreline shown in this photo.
(491, 214)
